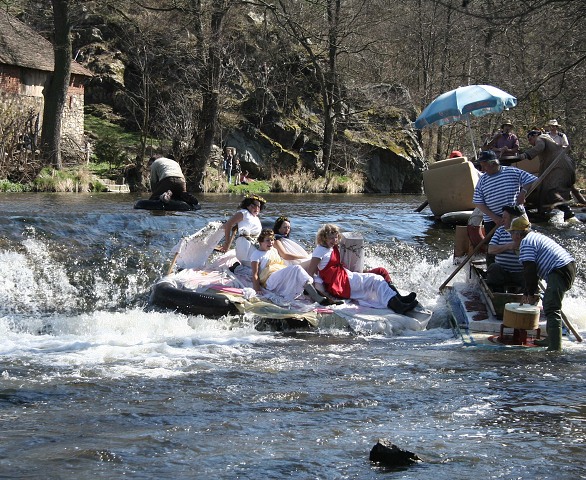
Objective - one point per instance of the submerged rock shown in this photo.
(387, 453)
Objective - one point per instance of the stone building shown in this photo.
(26, 64)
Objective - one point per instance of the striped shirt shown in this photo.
(546, 253)
(500, 189)
(509, 260)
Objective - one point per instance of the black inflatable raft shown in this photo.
(166, 294)
(170, 206)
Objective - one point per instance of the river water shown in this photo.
(95, 385)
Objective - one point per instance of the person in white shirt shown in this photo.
(557, 136)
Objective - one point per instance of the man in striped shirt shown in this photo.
(506, 271)
(497, 187)
(543, 258)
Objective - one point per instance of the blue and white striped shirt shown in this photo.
(546, 253)
(509, 260)
(500, 189)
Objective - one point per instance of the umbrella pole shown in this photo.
(471, 136)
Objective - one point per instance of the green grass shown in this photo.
(103, 129)
(256, 186)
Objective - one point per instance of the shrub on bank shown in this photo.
(9, 187)
(78, 180)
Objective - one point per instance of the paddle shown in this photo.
(470, 255)
(422, 206)
(172, 266)
(564, 318)
(533, 186)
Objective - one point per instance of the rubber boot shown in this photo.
(316, 297)
(404, 298)
(555, 339)
(399, 307)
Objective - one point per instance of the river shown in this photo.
(96, 385)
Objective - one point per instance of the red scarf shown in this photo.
(335, 277)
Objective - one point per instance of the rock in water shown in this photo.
(387, 453)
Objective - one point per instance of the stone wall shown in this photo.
(29, 84)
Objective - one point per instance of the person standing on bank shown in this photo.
(249, 228)
(167, 181)
(557, 136)
(228, 162)
(499, 186)
(543, 258)
(556, 187)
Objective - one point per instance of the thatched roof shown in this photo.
(21, 46)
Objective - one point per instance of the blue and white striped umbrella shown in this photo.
(459, 104)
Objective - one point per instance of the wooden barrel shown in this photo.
(521, 316)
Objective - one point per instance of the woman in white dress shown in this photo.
(290, 251)
(249, 227)
(368, 289)
(269, 271)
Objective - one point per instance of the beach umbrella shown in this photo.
(464, 102)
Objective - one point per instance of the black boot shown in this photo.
(404, 298)
(399, 307)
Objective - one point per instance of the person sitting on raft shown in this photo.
(368, 289)
(269, 271)
(249, 227)
(290, 251)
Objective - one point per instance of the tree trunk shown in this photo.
(55, 91)
(210, 103)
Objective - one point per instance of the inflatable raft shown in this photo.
(170, 206)
(202, 283)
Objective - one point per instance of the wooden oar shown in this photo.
(422, 206)
(172, 266)
(470, 255)
(567, 322)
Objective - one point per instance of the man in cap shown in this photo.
(499, 186)
(557, 136)
(504, 143)
(506, 271)
(556, 186)
(543, 258)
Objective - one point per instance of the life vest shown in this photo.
(335, 277)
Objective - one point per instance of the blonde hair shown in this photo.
(326, 231)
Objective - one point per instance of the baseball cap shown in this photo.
(520, 224)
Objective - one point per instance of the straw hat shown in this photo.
(553, 123)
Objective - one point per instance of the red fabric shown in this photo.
(456, 154)
(335, 277)
(383, 272)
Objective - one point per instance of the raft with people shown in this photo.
(202, 280)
